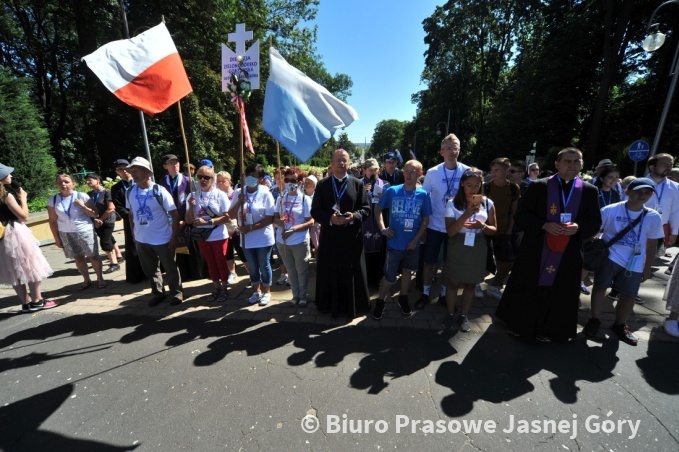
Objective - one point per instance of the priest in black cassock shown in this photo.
(557, 214)
(340, 205)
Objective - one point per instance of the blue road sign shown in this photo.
(639, 150)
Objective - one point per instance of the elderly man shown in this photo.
(155, 223)
(340, 205)
(557, 215)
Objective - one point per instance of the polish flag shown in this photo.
(145, 72)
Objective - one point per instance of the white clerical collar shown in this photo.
(340, 180)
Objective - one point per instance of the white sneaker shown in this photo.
(282, 279)
(232, 278)
(255, 297)
(478, 292)
(294, 301)
(494, 292)
(671, 327)
(266, 298)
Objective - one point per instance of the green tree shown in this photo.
(388, 136)
(24, 140)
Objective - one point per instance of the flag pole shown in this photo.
(243, 186)
(141, 113)
(186, 147)
(280, 193)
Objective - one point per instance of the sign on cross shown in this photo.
(241, 59)
(239, 37)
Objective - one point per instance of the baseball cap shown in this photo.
(641, 182)
(5, 171)
(605, 162)
(168, 157)
(206, 162)
(390, 156)
(119, 162)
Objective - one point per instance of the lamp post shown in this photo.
(415, 142)
(438, 129)
(653, 42)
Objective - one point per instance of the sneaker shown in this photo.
(294, 301)
(49, 304)
(266, 298)
(112, 268)
(584, 289)
(448, 322)
(283, 279)
(156, 300)
(302, 302)
(463, 323)
(671, 327)
(478, 292)
(221, 298)
(494, 292)
(404, 305)
(624, 334)
(668, 271)
(422, 302)
(379, 309)
(591, 328)
(176, 300)
(613, 295)
(255, 297)
(232, 278)
(36, 305)
(543, 338)
(213, 296)
(25, 309)
(638, 300)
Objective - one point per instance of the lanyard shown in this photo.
(173, 186)
(250, 200)
(563, 197)
(96, 198)
(67, 211)
(659, 193)
(410, 204)
(449, 191)
(292, 204)
(338, 195)
(641, 223)
(142, 207)
(610, 197)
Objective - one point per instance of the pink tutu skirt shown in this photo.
(21, 260)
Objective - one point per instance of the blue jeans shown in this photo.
(259, 265)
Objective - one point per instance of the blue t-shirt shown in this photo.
(405, 207)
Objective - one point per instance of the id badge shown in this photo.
(336, 208)
(637, 249)
(658, 208)
(143, 220)
(249, 219)
(375, 199)
(408, 224)
(469, 238)
(565, 217)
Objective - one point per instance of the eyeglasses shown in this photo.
(203, 177)
(120, 170)
(513, 171)
(289, 181)
(451, 148)
(535, 170)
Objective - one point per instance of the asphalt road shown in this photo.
(98, 382)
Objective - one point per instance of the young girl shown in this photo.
(21, 261)
(468, 217)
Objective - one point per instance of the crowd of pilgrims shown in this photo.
(367, 224)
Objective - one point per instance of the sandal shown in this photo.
(101, 284)
(221, 298)
(85, 285)
(214, 295)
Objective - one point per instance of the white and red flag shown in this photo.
(145, 72)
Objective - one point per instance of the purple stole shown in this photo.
(551, 260)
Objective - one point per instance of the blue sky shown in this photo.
(380, 45)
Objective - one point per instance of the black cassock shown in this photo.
(527, 308)
(341, 283)
(133, 271)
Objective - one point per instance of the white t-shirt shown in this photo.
(151, 223)
(70, 217)
(615, 217)
(296, 209)
(218, 202)
(667, 195)
(442, 184)
(261, 205)
(452, 212)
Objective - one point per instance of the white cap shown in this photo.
(141, 162)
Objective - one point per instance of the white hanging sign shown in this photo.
(249, 58)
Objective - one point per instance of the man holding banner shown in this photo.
(557, 215)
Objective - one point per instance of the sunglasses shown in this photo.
(289, 181)
(470, 173)
(203, 177)
(535, 170)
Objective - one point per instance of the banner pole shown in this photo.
(280, 194)
(186, 147)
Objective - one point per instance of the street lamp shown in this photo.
(653, 42)
(438, 129)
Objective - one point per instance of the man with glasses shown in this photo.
(133, 271)
(441, 182)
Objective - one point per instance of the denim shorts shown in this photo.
(613, 275)
(408, 259)
(432, 247)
